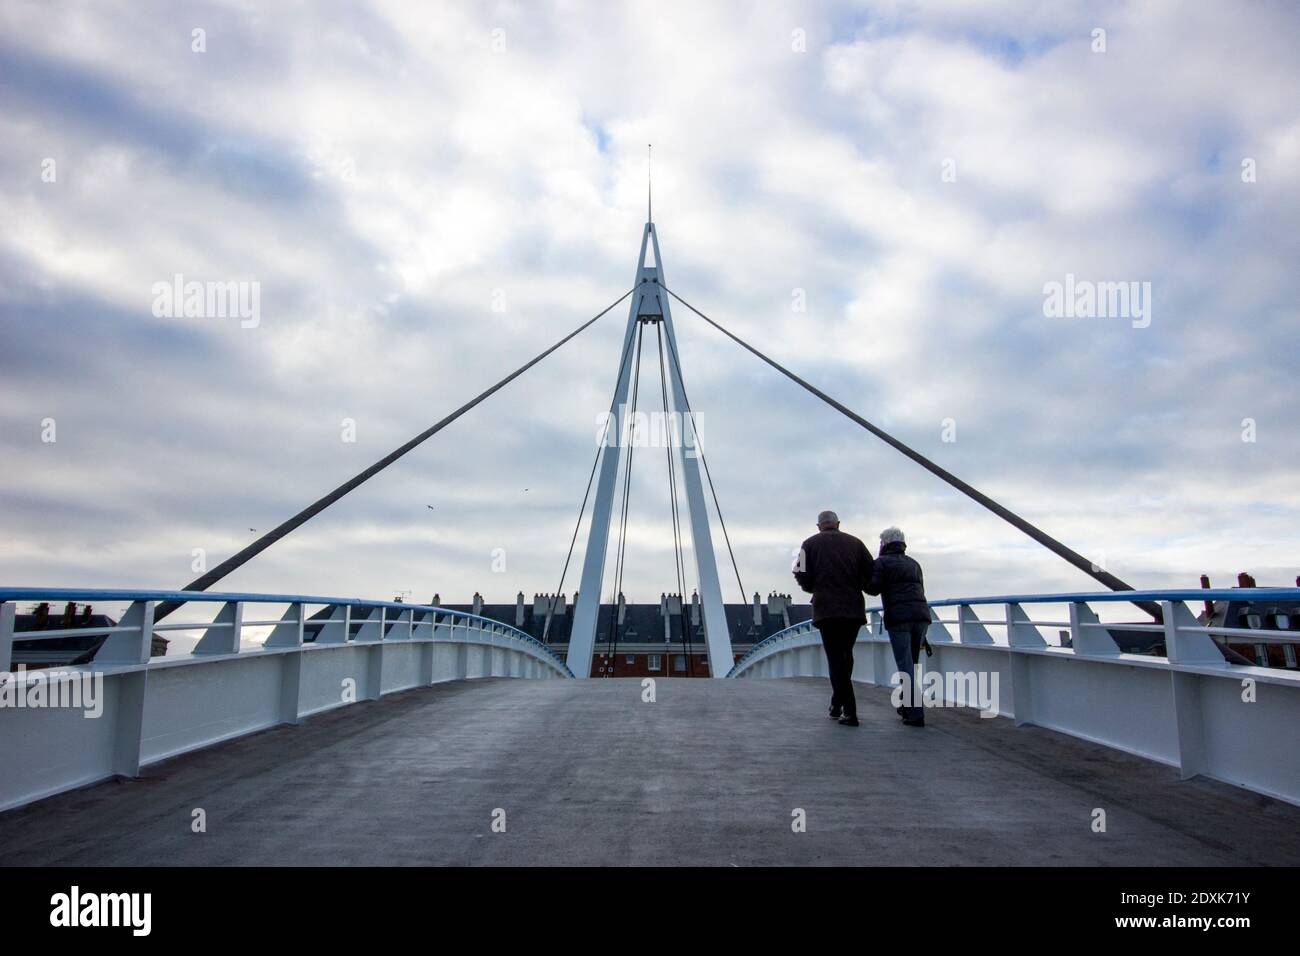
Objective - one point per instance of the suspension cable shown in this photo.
(744, 599)
(679, 561)
(1042, 537)
(203, 582)
(679, 564)
(621, 548)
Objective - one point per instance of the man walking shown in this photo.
(835, 568)
(901, 586)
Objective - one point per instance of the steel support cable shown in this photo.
(621, 552)
(679, 560)
(1042, 537)
(546, 629)
(744, 599)
(204, 581)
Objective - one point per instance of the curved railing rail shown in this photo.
(430, 616)
(1191, 708)
(1011, 602)
(68, 725)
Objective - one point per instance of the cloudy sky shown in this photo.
(428, 194)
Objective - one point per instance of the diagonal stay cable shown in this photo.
(203, 582)
(1042, 537)
(672, 348)
(679, 560)
(679, 563)
(621, 562)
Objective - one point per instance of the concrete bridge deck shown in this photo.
(707, 775)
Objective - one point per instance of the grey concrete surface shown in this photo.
(709, 774)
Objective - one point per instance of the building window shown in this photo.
(652, 662)
(679, 662)
(630, 659)
(1261, 655)
(1288, 651)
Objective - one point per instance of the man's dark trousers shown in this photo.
(839, 634)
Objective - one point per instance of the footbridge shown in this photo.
(327, 730)
(311, 728)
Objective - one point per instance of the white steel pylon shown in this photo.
(649, 303)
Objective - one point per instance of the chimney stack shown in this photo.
(519, 610)
(1209, 605)
(478, 603)
(758, 611)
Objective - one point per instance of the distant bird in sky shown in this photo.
(254, 530)
(430, 507)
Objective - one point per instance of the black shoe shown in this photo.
(835, 713)
(914, 721)
(848, 721)
(902, 711)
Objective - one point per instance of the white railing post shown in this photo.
(938, 632)
(970, 629)
(427, 649)
(373, 630)
(337, 624)
(223, 634)
(1089, 641)
(883, 665)
(132, 645)
(288, 634)
(461, 641)
(1022, 634)
(1187, 648)
(372, 626)
(129, 647)
(1186, 641)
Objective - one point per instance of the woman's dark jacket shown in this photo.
(898, 580)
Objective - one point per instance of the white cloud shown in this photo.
(382, 171)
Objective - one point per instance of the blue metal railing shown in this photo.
(8, 594)
(1072, 597)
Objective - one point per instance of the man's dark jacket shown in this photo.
(836, 569)
(898, 580)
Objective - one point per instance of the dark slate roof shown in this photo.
(644, 623)
(79, 649)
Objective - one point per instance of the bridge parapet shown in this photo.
(63, 727)
(1189, 708)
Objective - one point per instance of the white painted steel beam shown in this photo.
(649, 299)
